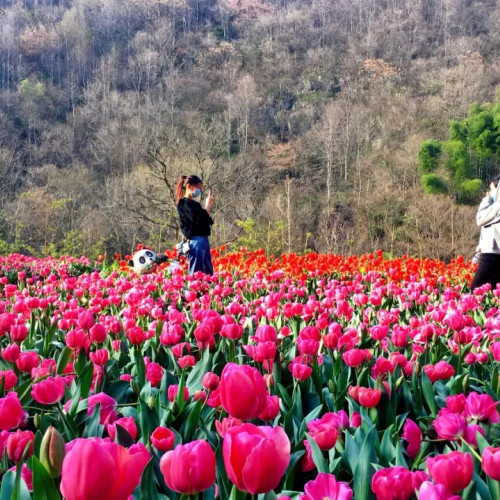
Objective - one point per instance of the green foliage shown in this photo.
(428, 155)
(456, 159)
(433, 184)
(470, 190)
(469, 157)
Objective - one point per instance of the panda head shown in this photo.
(143, 261)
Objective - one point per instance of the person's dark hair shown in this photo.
(184, 180)
(495, 180)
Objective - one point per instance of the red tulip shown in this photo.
(243, 391)
(454, 470)
(162, 439)
(189, 468)
(94, 469)
(48, 391)
(17, 443)
(369, 398)
(326, 486)
(256, 457)
(11, 412)
(393, 483)
(491, 462)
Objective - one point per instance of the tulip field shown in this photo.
(305, 377)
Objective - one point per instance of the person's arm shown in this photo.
(487, 211)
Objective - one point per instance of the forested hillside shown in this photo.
(305, 117)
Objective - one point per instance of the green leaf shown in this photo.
(147, 486)
(364, 469)
(292, 469)
(63, 360)
(317, 455)
(139, 366)
(43, 485)
(192, 422)
(13, 486)
(92, 427)
(148, 420)
(122, 437)
(193, 382)
(428, 391)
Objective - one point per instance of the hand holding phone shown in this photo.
(210, 200)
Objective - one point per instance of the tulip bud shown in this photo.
(465, 382)
(37, 420)
(331, 386)
(135, 386)
(52, 452)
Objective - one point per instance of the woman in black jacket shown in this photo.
(195, 222)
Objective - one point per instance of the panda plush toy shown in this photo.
(145, 261)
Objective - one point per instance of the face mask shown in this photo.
(196, 193)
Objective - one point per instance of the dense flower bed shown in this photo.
(315, 376)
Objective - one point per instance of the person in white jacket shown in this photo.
(488, 219)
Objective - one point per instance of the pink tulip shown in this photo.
(412, 434)
(189, 468)
(393, 483)
(173, 390)
(324, 430)
(108, 407)
(326, 486)
(210, 381)
(94, 469)
(49, 390)
(17, 443)
(128, 423)
(11, 412)
(272, 409)
(491, 462)
(430, 491)
(256, 457)
(243, 391)
(454, 470)
(300, 371)
(450, 426)
(9, 379)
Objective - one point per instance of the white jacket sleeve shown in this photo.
(487, 211)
